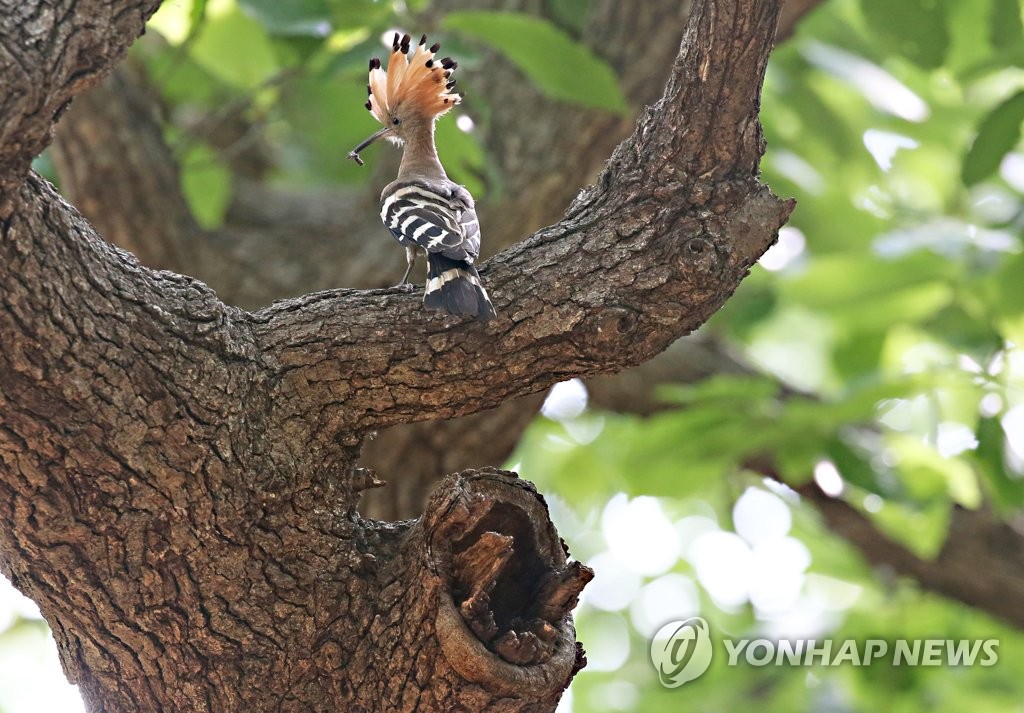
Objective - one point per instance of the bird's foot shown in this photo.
(405, 287)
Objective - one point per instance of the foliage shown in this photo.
(298, 71)
(559, 66)
(883, 329)
(884, 334)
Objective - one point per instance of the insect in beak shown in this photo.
(354, 153)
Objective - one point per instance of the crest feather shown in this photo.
(414, 78)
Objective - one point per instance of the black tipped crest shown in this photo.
(414, 79)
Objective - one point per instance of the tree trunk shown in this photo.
(179, 478)
(109, 152)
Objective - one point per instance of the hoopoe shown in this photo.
(424, 209)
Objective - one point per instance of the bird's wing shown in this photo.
(439, 221)
(470, 223)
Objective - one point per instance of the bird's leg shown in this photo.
(410, 259)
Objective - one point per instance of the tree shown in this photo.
(181, 476)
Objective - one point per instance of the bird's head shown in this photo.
(412, 93)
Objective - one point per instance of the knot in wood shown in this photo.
(701, 254)
(616, 321)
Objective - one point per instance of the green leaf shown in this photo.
(295, 17)
(183, 81)
(915, 28)
(43, 165)
(858, 354)
(549, 455)
(929, 477)
(327, 119)
(1007, 287)
(991, 465)
(751, 304)
(856, 469)
(1005, 24)
(571, 13)
(462, 156)
(965, 331)
(295, 50)
(920, 529)
(207, 185)
(196, 16)
(721, 389)
(350, 61)
(235, 49)
(847, 279)
(814, 111)
(559, 66)
(352, 15)
(998, 133)
(970, 26)
(913, 304)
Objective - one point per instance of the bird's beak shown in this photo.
(354, 153)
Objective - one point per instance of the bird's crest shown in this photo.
(413, 78)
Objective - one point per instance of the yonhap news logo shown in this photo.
(681, 651)
(825, 652)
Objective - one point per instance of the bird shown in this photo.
(424, 210)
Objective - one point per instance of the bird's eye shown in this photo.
(396, 121)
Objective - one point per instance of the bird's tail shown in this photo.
(454, 286)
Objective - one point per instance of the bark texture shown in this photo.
(179, 477)
(271, 247)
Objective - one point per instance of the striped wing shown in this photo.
(439, 222)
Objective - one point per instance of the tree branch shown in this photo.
(665, 237)
(85, 37)
(980, 564)
(792, 13)
(412, 456)
(272, 244)
(178, 476)
(110, 153)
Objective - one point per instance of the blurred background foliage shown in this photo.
(881, 334)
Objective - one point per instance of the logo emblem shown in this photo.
(681, 651)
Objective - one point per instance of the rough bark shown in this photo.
(54, 54)
(273, 242)
(179, 476)
(113, 132)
